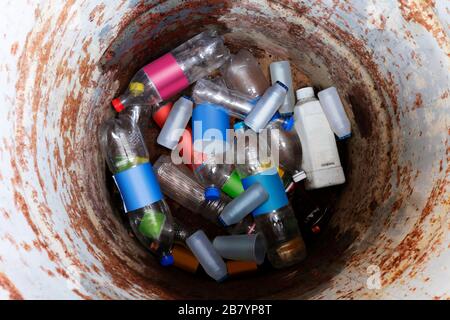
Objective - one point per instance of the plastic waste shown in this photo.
(241, 247)
(207, 255)
(320, 158)
(281, 71)
(266, 107)
(175, 71)
(242, 73)
(237, 104)
(236, 268)
(184, 259)
(334, 111)
(127, 157)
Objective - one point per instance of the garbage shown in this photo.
(127, 157)
(237, 104)
(236, 268)
(176, 123)
(173, 72)
(320, 159)
(241, 247)
(184, 259)
(242, 73)
(266, 107)
(207, 255)
(334, 111)
(281, 71)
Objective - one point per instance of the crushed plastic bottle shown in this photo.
(266, 107)
(242, 73)
(275, 218)
(237, 104)
(127, 157)
(334, 111)
(175, 71)
(320, 159)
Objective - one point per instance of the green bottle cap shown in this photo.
(233, 186)
(152, 224)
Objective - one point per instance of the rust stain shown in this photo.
(8, 285)
(418, 102)
(14, 48)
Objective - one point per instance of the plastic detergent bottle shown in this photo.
(320, 158)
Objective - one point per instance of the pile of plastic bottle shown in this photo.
(238, 175)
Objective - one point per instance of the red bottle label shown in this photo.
(167, 76)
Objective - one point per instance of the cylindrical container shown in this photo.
(236, 268)
(176, 123)
(266, 107)
(281, 71)
(207, 255)
(242, 73)
(236, 103)
(244, 204)
(334, 111)
(241, 247)
(184, 259)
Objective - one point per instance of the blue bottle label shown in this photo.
(272, 183)
(138, 187)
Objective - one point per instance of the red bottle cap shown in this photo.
(117, 104)
(161, 115)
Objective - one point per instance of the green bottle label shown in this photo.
(233, 187)
(152, 224)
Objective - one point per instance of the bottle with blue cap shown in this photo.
(127, 157)
(274, 218)
(210, 125)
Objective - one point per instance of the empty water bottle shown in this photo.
(242, 73)
(207, 255)
(281, 71)
(127, 157)
(236, 103)
(210, 125)
(176, 123)
(334, 111)
(275, 217)
(175, 71)
(320, 158)
(266, 107)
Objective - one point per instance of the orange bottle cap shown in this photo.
(161, 115)
(184, 259)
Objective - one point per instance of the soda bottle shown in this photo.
(175, 71)
(127, 157)
(275, 218)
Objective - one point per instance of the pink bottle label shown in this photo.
(167, 76)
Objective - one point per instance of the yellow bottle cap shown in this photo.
(136, 88)
(280, 172)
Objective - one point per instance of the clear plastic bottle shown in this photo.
(236, 103)
(179, 184)
(281, 71)
(320, 159)
(127, 157)
(242, 73)
(175, 71)
(274, 218)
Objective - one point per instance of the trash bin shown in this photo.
(63, 61)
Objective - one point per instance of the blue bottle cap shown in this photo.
(239, 125)
(189, 98)
(225, 277)
(166, 260)
(282, 85)
(276, 116)
(288, 123)
(212, 193)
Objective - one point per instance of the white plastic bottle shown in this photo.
(320, 155)
(335, 113)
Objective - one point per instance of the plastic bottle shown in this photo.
(178, 183)
(266, 107)
(242, 73)
(208, 257)
(127, 157)
(275, 217)
(320, 155)
(335, 113)
(210, 124)
(241, 247)
(236, 103)
(281, 71)
(281, 129)
(176, 123)
(175, 71)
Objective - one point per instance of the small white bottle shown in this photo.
(320, 155)
(334, 111)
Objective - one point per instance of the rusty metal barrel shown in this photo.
(63, 61)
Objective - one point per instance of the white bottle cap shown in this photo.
(305, 93)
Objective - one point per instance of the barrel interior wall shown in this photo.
(68, 60)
